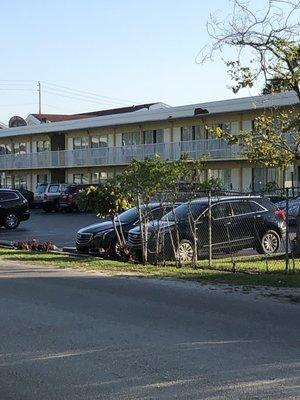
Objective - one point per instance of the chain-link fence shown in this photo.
(231, 231)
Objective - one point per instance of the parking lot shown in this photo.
(60, 228)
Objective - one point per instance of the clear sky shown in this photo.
(134, 51)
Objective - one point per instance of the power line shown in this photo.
(91, 94)
(111, 99)
(17, 89)
(95, 101)
(85, 96)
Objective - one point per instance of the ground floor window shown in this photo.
(8, 181)
(99, 177)
(81, 179)
(20, 181)
(41, 178)
(263, 177)
(225, 177)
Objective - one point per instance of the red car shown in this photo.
(67, 199)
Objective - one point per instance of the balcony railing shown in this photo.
(212, 149)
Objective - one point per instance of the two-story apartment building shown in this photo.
(92, 148)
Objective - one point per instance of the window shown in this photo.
(53, 188)
(225, 126)
(232, 127)
(187, 133)
(6, 196)
(41, 188)
(98, 177)
(221, 210)
(8, 181)
(197, 132)
(200, 132)
(99, 141)
(8, 149)
(241, 207)
(5, 149)
(20, 148)
(20, 181)
(81, 179)
(255, 207)
(224, 175)
(159, 136)
(41, 178)
(182, 212)
(80, 143)
(131, 138)
(155, 136)
(42, 145)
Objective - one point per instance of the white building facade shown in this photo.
(90, 150)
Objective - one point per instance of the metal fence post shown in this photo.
(287, 231)
(209, 231)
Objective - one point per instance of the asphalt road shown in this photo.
(67, 335)
(60, 228)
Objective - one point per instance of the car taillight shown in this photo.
(281, 214)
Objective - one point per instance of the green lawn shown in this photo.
(250, 270)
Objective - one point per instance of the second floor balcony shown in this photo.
(211, 149)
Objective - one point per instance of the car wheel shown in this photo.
(115, 250)
(185, 251)
(11, 221)
(269, 243)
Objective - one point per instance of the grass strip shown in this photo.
(251, 273)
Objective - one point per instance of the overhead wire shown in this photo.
(76, 97)
(85, 92)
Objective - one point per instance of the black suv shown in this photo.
(13, 208)
(102, 239)
(237, 223)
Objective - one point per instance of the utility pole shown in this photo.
(40, 97)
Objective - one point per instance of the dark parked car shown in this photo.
(13, 208)
(29, 196)
(101, 238)
(67, 199)
(237, 223)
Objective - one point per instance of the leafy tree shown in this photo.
(268, 48)
(107, 200)
(148, 178)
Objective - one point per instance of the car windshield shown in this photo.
(181, 212)
(71, 189)
(128, 216)
(41, 188)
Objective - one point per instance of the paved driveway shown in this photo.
(60, 228)
(67, 335)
